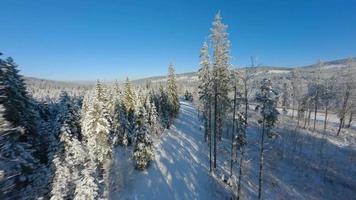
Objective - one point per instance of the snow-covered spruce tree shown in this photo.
(268, 98)
(129, 105)
(123, 126)
(172, 93)
(155, 127)
(205, 96)
(17, 162)
(87, 186)
(97, 128)
(19, 107)
(70, 152)
(143, 152)
(163, 107)
(68, 163)
(23, 156)
(220, 74)
(97, 132)
(129, 96)
(114, 106)
(204, 87)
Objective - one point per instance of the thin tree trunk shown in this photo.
(340, 126)
(219, 123)
(343, 112)
(326, 116)
(240, 172)
(206, 127)
(293, 109)
(233, 132)
(215, 125)
(242, 151)
(350, 120)
(261, 161)
(315, 112)
(210, 137)
(298, 115)
(309, 117)
(241, 165)
(306, 118)
(246, 101)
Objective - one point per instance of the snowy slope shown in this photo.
(179, 171)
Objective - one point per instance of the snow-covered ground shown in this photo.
(180, 169)
(299, 164)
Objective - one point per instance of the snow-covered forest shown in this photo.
(223, 132)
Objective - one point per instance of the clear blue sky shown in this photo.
(86, 40)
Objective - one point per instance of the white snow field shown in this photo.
(180, 169)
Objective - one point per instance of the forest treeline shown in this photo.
(61, 149)
(226, 94)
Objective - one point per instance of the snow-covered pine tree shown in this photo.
(97, 132)
(172, 93)
(100, 92)
(143, 152)
(220, 74)
(19, 107)
(204, 87)
(124, 126)
(70, 154)
(68, 163)
(163, 107)
(87, 186)
(23, 156)
(17, 162)
(129, 102)
(129, 97)
(268, 98)
(155, 127)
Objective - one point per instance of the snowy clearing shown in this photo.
(180, 169)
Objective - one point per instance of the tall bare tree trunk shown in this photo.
(350, 120)
(241, 164)
(340, 126)
(261, 160)
(343, 111)
(293, 109)
(298, 115)
(309, 117)
(240, 172)
(326, 116)
(210, 137)
(233, 132)
(205, 125)
(215, 125)
(315, 112)
(305, 118)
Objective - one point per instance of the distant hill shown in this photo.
(191, 77)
